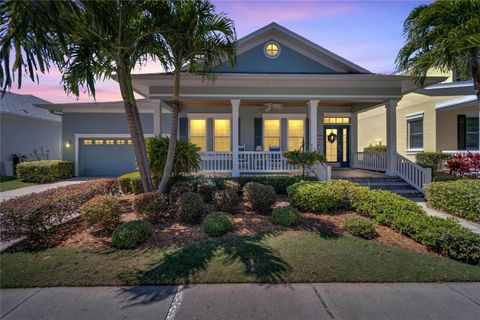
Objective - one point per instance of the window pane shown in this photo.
(198, 128)
(271, 142)
(472, 125)
(295, 144)
(416, 141)
(222, 144)
(272, 128)
(416, 126)
(331, 148)
(222, 127)
(472, 140)
(201, 142)
(295, 128)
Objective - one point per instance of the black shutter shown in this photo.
(461, 131)
(257, 132)
(183, 128)
(307, 135)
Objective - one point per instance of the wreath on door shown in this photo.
(332, 137)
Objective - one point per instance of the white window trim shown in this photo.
(79, 136)
(279, 136)
(278, 46)
(206, 131)
(337, 115)
(414, 117)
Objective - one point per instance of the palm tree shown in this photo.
(443, 35)
(197, 40)
(87, 41)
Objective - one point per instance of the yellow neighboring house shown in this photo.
(443, 118)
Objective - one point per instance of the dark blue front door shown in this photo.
(337, 145)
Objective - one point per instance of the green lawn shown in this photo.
(283, 257)
(10, 183)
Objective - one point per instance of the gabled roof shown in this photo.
(23, 105)
(299, 44)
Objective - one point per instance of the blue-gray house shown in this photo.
(285, 93)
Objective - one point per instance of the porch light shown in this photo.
(68, 144)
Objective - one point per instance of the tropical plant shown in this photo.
(375, 148)
(444, 35)
(432, 160)
(464, 165)
(187, 158)
(304, 159)
(197, 40)
(87, 41)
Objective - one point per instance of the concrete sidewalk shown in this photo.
(5, 195)
(247, 301)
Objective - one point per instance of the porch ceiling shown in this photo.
(258, 103)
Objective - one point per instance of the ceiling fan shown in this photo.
(272, 106)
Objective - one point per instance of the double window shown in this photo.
(295, 134)
(221, 134)
(415, 132)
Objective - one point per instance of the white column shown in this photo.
(312, 116)
(235, 137)
(391, 107)
(157, 119)
(353, 135)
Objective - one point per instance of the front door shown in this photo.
(337, 146)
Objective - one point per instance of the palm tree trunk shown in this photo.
(134, 126)
(172, 144)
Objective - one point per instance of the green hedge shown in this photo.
(130, 183)
(458, 197)
(44, 171)
(279, 183)
(444, 236)
(375, 148)
(432, 160)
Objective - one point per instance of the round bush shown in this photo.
(227, 200)
(260, 196)
(286, 216)
(190, 208)
(206, 190)
(178, 189)
(152, 205)
(233, 185)
(131, 234)
(104, 211)
(360, 227)
(218, 223)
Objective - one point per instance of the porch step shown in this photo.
(392, 184)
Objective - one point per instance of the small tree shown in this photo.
(304, 159)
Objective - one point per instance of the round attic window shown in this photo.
(272, 50)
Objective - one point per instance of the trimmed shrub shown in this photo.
(286, 216)
(458, 197)
(131, 234)
(152, 205)
(280, 183)
(444, 236)
(36, 215)
(130, 183)
(432, 160)
(190, 208)
(104, 211)
(233, 185)
(227, 200)
(360, 227)
(206, 190)
(375, 148)
(323, 196)
(216, 224)
(260, 196)
(177, 190)
(44, 171)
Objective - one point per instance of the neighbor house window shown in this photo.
(271, 133)
(471, 137)
(221, 135)
(415, 132)
(272, 50)
(296, 132)
(198, 133)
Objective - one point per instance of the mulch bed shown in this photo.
(77, 234)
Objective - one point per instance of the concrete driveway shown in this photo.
(247, 301)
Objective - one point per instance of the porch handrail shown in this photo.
(321, 171)
(376, 161)
(416, 175)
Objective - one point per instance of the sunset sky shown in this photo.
(369, 33)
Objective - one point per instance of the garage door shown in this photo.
(105, 157)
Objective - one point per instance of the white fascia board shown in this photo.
(455, 102)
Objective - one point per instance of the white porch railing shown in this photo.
(370, 160)
(462, 152)
(321, 171)
(264, 161)
(417, 176)
(216, 161)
